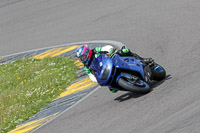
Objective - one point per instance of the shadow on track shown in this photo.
(130, 95)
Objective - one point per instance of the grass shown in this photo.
(28, 85)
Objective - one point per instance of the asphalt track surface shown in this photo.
(166, 30)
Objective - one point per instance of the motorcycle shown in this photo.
(125, 72)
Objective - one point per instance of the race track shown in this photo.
(166, 30)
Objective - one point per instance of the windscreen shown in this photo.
(97, 65)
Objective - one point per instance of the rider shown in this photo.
(86, 55)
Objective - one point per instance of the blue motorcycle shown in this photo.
(126, 73)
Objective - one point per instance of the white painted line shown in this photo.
(90, 93)
(119, 44)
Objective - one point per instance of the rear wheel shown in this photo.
(137, 87)
(158, 72)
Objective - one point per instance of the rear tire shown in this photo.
(122, 82)
(159, 74)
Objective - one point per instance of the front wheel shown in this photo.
(139, 87)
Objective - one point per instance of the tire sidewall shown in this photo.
(125, 85)
(158, 75)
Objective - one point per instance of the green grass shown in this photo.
(28, 85)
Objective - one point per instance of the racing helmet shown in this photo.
(84, 54)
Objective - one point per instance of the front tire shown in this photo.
(129, 86)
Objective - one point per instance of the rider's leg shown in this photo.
(146, 60)
(128, 52)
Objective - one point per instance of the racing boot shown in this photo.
(113, 90)
(148, 60)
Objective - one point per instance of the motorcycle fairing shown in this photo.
(102, 67)
(128, 63)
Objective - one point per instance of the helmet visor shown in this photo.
(83, 57)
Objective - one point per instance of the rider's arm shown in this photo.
(107, 48)
(91, 76)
